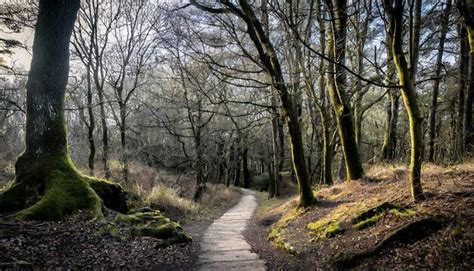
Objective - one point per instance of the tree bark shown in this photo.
(272, 66)
(337, 92)
(435, 93)
(463, 78)
(410, 99)
(466, 8)
(245, 167)
(389, 147)
(326, 167)
(45, 173)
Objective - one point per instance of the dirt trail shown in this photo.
(223, 246)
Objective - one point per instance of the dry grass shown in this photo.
(166, 199)
(169, 192)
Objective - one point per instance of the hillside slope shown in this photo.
(373, 223)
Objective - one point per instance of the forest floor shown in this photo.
(344, 230)
(77, 243)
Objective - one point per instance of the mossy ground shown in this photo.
(323, 229)
(347, 219)
(140, 223)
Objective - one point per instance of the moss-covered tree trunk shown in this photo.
(410, 99)
(324, 110)
(337, 92)
(389, 146)
(269, 59)
(466, 8)
(463, 78)
(47, 184)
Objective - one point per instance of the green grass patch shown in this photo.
(324, 229)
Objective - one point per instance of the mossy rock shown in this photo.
(145, 223)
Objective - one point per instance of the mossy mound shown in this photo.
(371, 216)
(276, 237)
(51, 188)
(323, 229)
(149, 223)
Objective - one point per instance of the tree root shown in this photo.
(414, 230)
(51, 188)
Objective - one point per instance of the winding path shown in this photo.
(223, 246)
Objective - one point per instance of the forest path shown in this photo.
(223, 246)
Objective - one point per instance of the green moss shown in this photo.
(51, 188)
(147, 223)
(371, 216)
(143, 217)
(324, 228)
(276, 237)
(402, 211)
(65, 192)
(368, 222)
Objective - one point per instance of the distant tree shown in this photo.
(434, 96)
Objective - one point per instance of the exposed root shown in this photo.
(409, 232)
(51, 188)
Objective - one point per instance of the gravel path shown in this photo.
(223, 246)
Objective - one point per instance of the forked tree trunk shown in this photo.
(45, 174)
(410, 99)
(326, 167)
(337, 92)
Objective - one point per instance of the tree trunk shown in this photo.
(230, 166)
(91, 126)
(409, 95)
(45, 173)
(275, 153)
(389, 147)
(245, 167)
(123, 140)
(466, 8)
(463, 77)
(434, 97)
(326, 165)
(237, 172)
(269, 58)
(337, 85)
